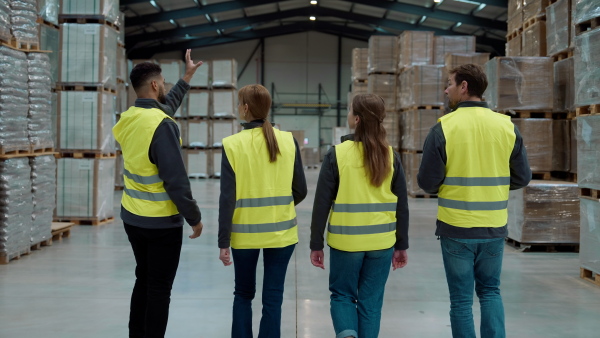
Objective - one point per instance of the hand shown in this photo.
(190, 66)
(225, 256)
(197, 230)
(317, 257)
(399, 259)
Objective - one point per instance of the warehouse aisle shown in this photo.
(81, 287)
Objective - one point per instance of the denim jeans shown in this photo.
(479, 262)
(156, 254)
(244, 262)
(357, 282)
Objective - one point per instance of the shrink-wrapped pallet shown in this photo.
(182, 110)
(121, 72)
(121, 24)
(43, 187)
(454, 60)
(392, 128)
(588, 151)
(573, 144)
(564, 85)
(214, 163)
(198, 102)
(48, 10)
(359, 88)
(515, 22)
(39, 116)
(561, 145)
(201, 78)
(513, 46)
(5, 21)
(196, 162)
(558, 27)
(383, 85)
(534, 9)
(587, 68)
(88, 54)
(415, 125)
(50, 41)
(122, 99)
(14, 102)
(451, 44)
(411, 162)
(54, 118)
(544, 212)
(224, 102)
(107, 9)
(360, 63)
(198, 133)
(584, 10)
(119, 165)
(222, 129)
(537, 138)
(16, 207)
(172, 70)
(85, 121)
(224, 73)
(422, 86)
(520, 83)
(416, 48)
(534, 40)
(514, 7)
(23, 21)
(383, 54)
(589, 245)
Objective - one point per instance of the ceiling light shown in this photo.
(313, 18)
(437, 1)
(313, 2)
(458, 24)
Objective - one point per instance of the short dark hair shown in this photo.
(142, 72)
(474, 76)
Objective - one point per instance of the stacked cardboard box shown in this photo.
(537, 138)
(534, 40)
(360, 63)
(224, 73)
(415, 125)
(534, 9)
(422, 86)
(383, 54)
(453, 60)
(105, 9)
(558, 27)
(587, 68)
(411, 161)
(416, 48)
(451, 44)
(384, 85)
(48, 11)
(564, 85)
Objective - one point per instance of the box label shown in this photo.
(85, 165)
(88, 97)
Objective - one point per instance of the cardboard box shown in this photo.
(558, 27)
(561, 145)
(564, 85)
(224, 102)
(589, 244)
(538, 141)
(201, 78)
(221, 129)
(415, 125)
(411, 161)
(416, 48)
(383, 85)
(451, 44)
(422, 86)
(109, 9)
(199, 103)
(224, 73)
(515, 22)
(360, 63)
(454, 60)
(383, 54)
(573, 144)
(172, 70)
(197, 162)
(392, 128)
(534, 40)
(587, 68)
(588, 151)
(534, 9)
(122, 73)
(584, 10)
(513, 46)
(198, 133)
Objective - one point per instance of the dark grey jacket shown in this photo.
(165, 153)
(432, 173)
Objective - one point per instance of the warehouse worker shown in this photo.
(471, 158)
(262, 179)
(157, 195)
(362, 190)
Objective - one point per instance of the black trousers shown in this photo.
(156, 254)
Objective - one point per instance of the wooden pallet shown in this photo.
(586, 26)
(410, 151)
(226, 117)
(80, 19)
(81, 87)
(565, 54)
(61, 230)
(423, 107)
(542, 247)
(531, 21)
(588, 110)
(23, 46)
(195, 118)
(38, 246)
(528, 114)
(589, 276)
(360, 81)
(541, 175)
(5, 259)
(41, 21)
(119, 187)
(26, 153)
(589, 193)
(85, 220)
(422, 195)
(514, 34)
(84, 154)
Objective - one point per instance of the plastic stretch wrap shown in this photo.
(214, 168)
(122, 98)
(50, 40)
(383, 85)
(411, 163)
(85, 121)
(520, 83)
(416, 48)
(359, 88)
(534, 40)
(4, 21)
(85, 187)
(196, 163)
(584, 10)
(92, 8)
(172, 70)
(589, 245)
(561, 145)
(199, 102)
(119, 165)
(197, 133)
(224, 102)
(587, 68)
(43, 187)
(48, 10)
(88, 54)
(588, 151)
(558, 27)
(383, 54)
(121, 24)
(451, 44)
(23, 21)
(415, 125)
(202, 75)
(422, 86)
(224, 73)
(573, 145)
(537, 138)
(39, 117)
(514, 7)
(534, 9)
(360, 63)
(514, 22)
(564, 85)
(14, 102)
(221, 129)
(453, 60)
(392, 128)
(544, 212)
(16, 206)
(513, 46)
(121, 72)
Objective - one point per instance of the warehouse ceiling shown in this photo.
(155, 26)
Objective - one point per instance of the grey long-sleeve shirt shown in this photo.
(432, 174)
(165, 153)
(327, 189)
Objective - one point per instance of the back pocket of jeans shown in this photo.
(494, 248)
(453, 247)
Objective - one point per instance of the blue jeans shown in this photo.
(244, 262)
(357, 282)
(479, 262)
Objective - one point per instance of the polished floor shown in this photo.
(81, 286)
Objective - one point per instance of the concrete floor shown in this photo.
(81, 286)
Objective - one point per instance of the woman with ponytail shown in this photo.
(362, 192)
(262, 179)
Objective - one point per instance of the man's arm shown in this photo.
(399, 189)
(299, 189)
(226, 201)
(520, 172)
(327, 188)
(176, 94)
(432, 171)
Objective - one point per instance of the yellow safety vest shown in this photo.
(264, 215)
(363, 217)
(144, 193)
(479, 143)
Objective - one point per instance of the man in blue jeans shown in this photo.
(471, 158)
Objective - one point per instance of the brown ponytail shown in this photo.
(370, 131)
(258, 100)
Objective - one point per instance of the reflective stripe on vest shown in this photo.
(363, 217)
(479, 143)
(264, 215)
(144, 193)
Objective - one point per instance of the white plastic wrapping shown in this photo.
(92, 8)
(564, 85)
(588, 151)
(587, 68)
(513, 46)
(538, 141)
(584, 10)
(360, 63)
(14, 102)
(39, 117)
(16, 206)
(415, 125)
(383, 85)
(221, 129)
(48, 10)
(121, 72)
(451, 44)
(198, 102)
(573, 144)
(224, 102)
(534, 9)
(534, 40)
(201, 78)
(589, 246)
(85, 188)
(50, 41)
(172, 70)
(198, 133)
(422, 86)
(4, 21)
(416, 48)
(121, 24)
(23, 21)
(383, 54)
(43, 187)
(558, 27)
(196, 163)
(224, 73)
(561, 145)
